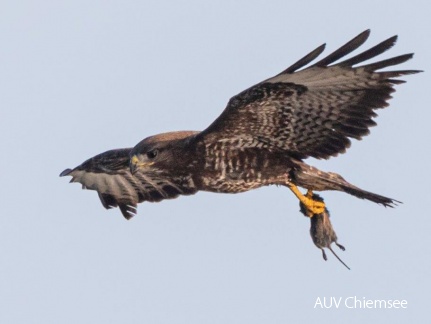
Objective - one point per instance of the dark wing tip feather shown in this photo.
(305, 60)
(110, 201)
(65, 172)
(342, 51)
(347, 48)
(395, 74)
(361, 57)
(128, 211)
(388, 62)
(370, 53)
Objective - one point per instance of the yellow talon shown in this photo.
(313, 206)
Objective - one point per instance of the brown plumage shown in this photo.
(261, 138)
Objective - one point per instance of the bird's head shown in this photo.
(158, 152)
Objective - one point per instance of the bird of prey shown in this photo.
(261, 138)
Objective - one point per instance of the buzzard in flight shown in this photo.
(261, 138)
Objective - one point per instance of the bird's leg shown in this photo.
(312, 206)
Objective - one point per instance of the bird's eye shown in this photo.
(152, 154)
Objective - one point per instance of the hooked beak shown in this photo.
(136, 165)
(134, 162)
(132, 165)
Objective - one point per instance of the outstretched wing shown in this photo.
(108, 173)
(312, 112)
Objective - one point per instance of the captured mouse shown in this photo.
(321, 230)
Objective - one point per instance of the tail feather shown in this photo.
(357, 192)
(312, 178)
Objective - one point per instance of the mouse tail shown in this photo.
(338, 257)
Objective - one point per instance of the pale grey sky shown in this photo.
(81, 77)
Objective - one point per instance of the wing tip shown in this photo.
(128, 211)
(344, 50)
(66, 172)
(366, 33)
(304, 60)
(109, 201)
